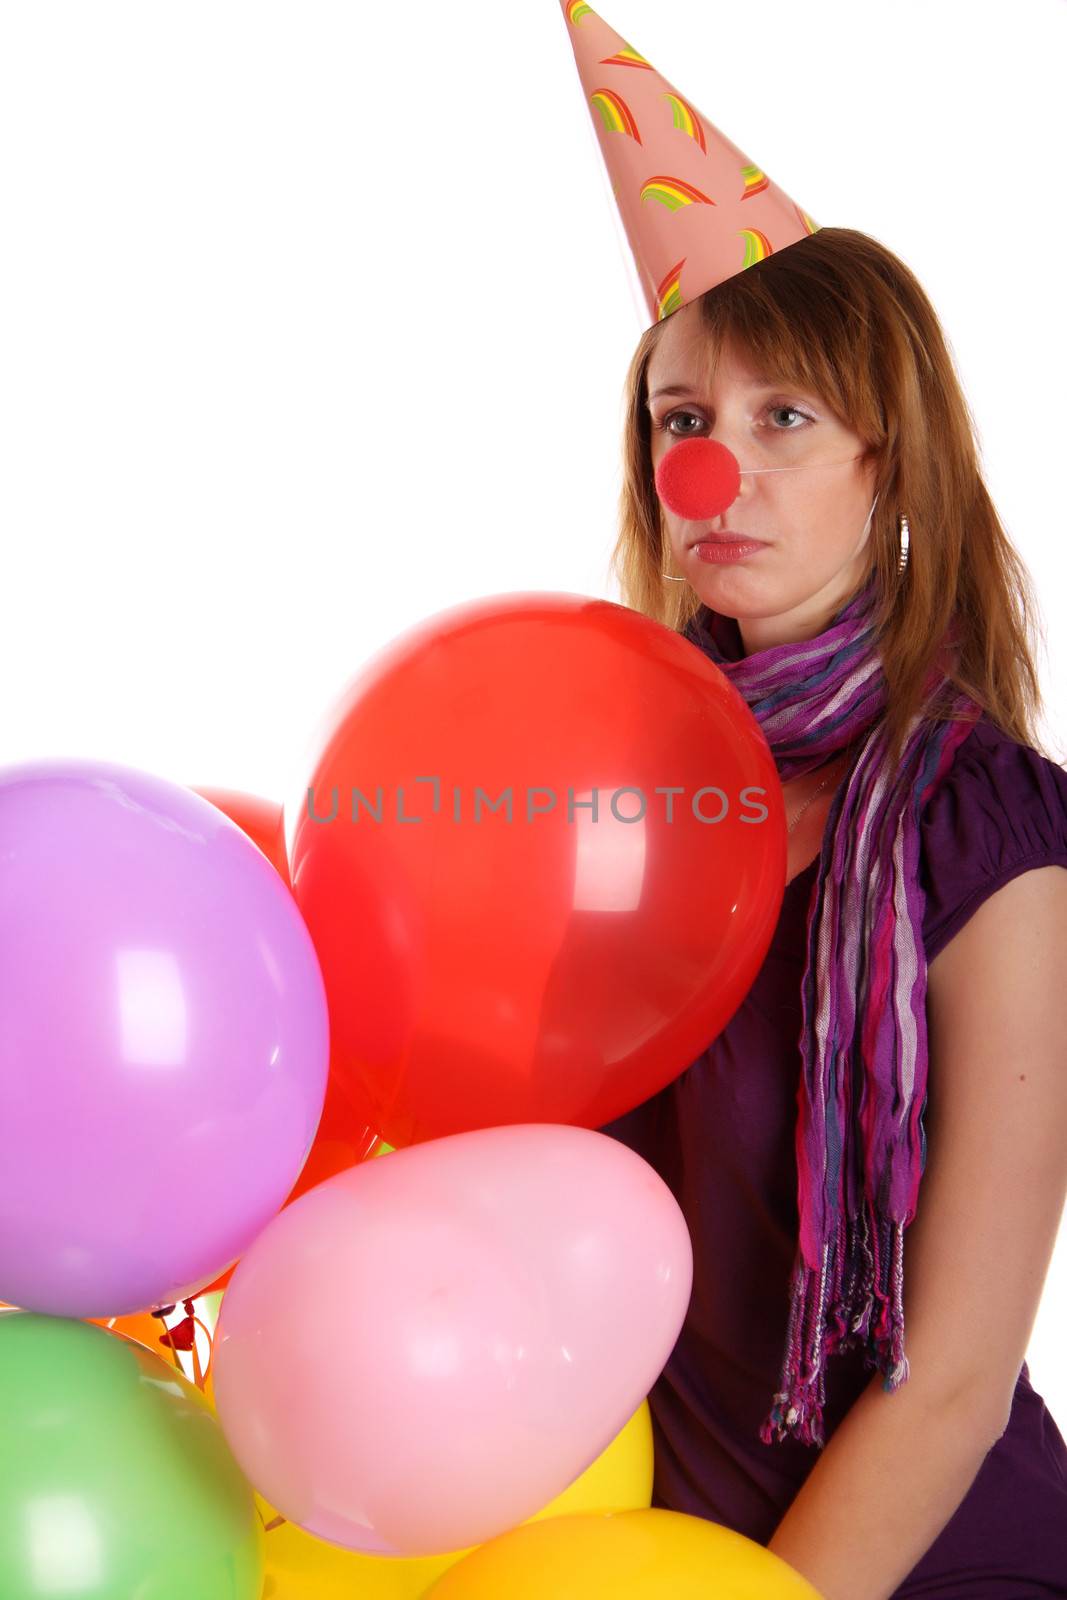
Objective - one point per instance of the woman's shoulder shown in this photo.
(1000, 809)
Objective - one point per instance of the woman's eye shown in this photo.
(791, 411)
(683, 433)
(686, 432)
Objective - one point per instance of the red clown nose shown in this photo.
(698, 478)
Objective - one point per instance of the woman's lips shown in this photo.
(718, 548)
(729, 537)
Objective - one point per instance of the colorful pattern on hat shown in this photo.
(695, 208)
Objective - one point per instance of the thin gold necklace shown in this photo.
(810, 798)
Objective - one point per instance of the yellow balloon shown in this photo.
(300, 1566)
(626, 1555)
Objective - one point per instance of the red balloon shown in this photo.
(261, 819)
(343, 1138)
(550, 967)
(698, 478)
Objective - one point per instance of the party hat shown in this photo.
(696, 210)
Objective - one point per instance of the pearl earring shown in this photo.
(905, 542)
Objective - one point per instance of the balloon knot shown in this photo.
(181, 1336)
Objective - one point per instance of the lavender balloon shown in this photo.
(163, 1039)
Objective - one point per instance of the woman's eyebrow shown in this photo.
(674, 388)
(693, 388)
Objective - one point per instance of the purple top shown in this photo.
(721, 1136)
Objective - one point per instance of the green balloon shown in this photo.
(116, 1480)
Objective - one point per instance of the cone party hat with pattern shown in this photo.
(696, 210)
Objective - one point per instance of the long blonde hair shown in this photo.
(838, 314)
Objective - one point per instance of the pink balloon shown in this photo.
(164, 1040)
(425, 1350)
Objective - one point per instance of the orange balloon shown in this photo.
(140, 1325)
(560, 965)
(624, 1555)
(343, 1138)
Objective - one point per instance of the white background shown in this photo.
(314, 321)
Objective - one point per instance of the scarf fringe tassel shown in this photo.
(878, 1266)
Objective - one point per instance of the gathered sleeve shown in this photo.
(1000, 810)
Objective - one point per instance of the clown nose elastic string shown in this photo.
(699, 478)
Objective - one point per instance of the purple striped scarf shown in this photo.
(860, 1144)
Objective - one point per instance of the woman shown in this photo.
(991, 1498)
(896, 1072)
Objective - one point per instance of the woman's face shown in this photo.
(814, 521)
